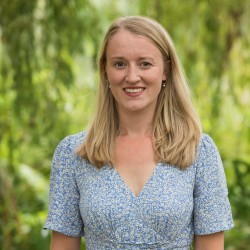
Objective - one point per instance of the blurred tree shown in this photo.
(48, 51)
(39, 41)
(213, 40)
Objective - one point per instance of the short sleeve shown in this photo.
(64, 213)
(212, 211)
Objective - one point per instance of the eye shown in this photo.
(119, 65)
(145, 64)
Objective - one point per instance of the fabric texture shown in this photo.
(173, 205)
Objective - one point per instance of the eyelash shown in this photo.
(122, 64)
(146, 64)
(116, 64)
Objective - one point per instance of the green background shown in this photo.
(48, 79)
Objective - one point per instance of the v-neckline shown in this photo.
(128, 189)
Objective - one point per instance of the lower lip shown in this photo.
(134, 94)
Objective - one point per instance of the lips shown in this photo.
(133, 90)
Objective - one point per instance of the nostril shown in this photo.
(132, 78)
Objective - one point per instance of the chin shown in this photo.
(135, 108)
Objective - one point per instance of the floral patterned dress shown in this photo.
(173, 205)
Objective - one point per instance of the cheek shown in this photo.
(156, 81)
(114, 77)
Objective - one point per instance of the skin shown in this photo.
(213, 241)
(201, 242)
(62, 242)
(134, 63)
(135, 71)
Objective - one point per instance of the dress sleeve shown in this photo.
(63, 213)
(212, 211)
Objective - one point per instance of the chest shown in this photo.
(164, 205)
(135, 162)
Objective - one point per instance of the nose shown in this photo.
(133, 74)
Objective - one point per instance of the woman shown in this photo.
(143, 176)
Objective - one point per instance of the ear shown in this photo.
(167, 70)
(164, 76)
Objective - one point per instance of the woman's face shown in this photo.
(135, 71)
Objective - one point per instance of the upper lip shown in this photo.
(134, 87)
(134, 90)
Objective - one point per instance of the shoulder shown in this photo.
(71, 142)
(208, 162)
(206, 147)
(207, 156)
(66, 149)
(206, 141)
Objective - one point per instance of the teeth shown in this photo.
(134, 90)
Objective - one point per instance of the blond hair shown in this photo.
(176, 126)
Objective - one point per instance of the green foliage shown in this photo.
(48, 78)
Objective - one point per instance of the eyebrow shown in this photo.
(117, 57)
(123, 58)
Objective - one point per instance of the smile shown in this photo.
(133, 90)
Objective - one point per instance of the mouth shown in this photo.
(133, 90)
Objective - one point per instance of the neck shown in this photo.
(136, 124)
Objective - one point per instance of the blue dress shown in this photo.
(173, 206)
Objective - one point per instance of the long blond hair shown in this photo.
(176, 126)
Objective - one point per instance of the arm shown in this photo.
(62, 242)
(212, 211)
(213, 241)
(64, 209)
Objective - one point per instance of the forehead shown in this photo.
(127, 42)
